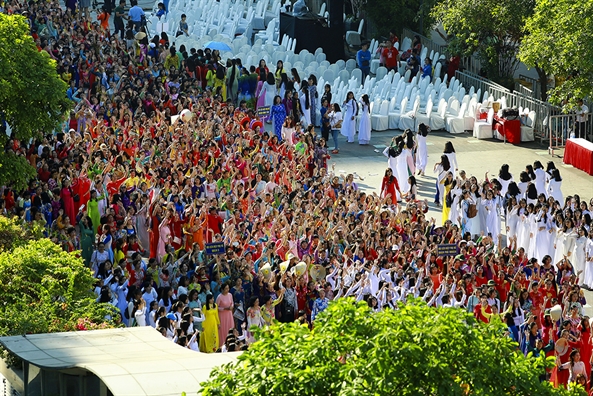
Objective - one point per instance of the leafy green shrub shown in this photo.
(415, 350)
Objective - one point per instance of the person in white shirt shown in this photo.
(177, 311)
(193, 344)
(133, 307)
(99, 256)
(183, 285)
(149, 295)
(155, 314)
(582, 115)
(575, 365)
(42, 146)
(210, 186)
(140, 314)
(168, 323)
(335, 122)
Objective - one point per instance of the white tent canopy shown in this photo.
(130, 361)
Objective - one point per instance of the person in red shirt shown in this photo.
(502, 286)
(214, 224)
(480, 276)
(177, 231)
(483, 311)
(467, 284)
(390, 56)
(549, 290)
(389, 186)
(43, 173)
(393, 38)
(104, 18)
(537, 298)
(134, 275)
(302, 292)
(453, 66)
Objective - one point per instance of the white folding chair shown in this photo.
(408, 120)
(380, 120)
(483, 127)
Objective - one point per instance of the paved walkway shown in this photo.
(474, 156)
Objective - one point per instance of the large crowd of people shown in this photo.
(162, 159)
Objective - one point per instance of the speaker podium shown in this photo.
(312, 31)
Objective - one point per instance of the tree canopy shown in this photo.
(415, 350)
(393, 15)
(492, 28)
(15, 170)
(14, 233)
(559, 36)
(32, 95)
(44, 289)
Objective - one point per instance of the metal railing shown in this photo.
(550, 124)
(534, 91)
(490, 82)
(522, 89)
(471, 64)
(543, 110)
(480, 83)
(564, 126)
(426, 42)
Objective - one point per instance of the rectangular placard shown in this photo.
(447, 249)
(215, 248)
(263, 111)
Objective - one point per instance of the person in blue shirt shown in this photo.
(363, 60)
(427, 69)
(72, 92)
(319, 305)
(136, 15)
(325, 127)
(153, 52)
(161, 10)
(183, 26)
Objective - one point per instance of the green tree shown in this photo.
(45, 289)
(15, 170)
(491, 28)
(560, 36)
(32, 95)
(415, 350)
(394, 15)
(13, 233)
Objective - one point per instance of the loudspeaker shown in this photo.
(336, 14)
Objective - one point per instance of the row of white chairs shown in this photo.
(224, 17)
(211, 17)
(440, 105)
(397, 102)
(485, 116)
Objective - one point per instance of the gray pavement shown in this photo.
(474, 156)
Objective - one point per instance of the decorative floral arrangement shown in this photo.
(87, 324)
